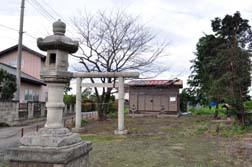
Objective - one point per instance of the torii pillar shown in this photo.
(120, 75)
(121, 129)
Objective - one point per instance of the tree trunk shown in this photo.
(103, 105)
(100, 111)
(216, 113)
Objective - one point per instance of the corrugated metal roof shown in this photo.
(175, 82)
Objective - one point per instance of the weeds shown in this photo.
(234, 130)
(201, 130)
(3, 164)
(207, 111)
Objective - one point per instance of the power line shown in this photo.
(55, 12)
(10, 28)
(45, 12)
(41, 12)
(41, 7)
(10, 38)
(13, 29)
(25, 33)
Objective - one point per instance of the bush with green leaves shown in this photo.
(248, 105)
(69, 99)
(7, 85)
(207, 111)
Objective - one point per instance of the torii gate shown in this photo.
(120, 75)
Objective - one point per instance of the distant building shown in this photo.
(32, 87)
(159, 96)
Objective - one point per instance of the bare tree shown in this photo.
(116, 42)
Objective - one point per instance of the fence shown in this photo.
(14, 113)
(9, 112)
(23, 110)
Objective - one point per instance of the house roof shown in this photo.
(15, 47)
(172, 82)
(24, 77)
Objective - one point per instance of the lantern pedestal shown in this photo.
(75, 155)
(53, 145)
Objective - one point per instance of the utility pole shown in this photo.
(19, 56)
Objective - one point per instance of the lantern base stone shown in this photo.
(121, 132)
(50, 148)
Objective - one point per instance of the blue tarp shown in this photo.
(213, 103)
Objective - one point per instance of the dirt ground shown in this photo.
(166, 142)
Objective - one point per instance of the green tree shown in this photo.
(67, 88)
(238, 40)
(69, 99)
(7, 85)
(184, 99)
(86, 93)
(221, 70)
(207, 79)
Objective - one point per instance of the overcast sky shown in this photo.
(182, 22)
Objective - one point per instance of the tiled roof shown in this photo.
(24, 77)
(173, 82)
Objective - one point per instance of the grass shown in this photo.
(3, 164)
(201, 130)
(189, 141)
(207, 111)
(102, 138)
(235, 130)
(167, 142)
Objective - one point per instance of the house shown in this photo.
(154, 96)
(32, 87)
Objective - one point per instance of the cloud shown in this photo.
(181, 22)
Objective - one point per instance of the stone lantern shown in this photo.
(53, 145)
(55, 74)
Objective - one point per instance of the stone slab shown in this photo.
(50, 137)
(78, 130)
(121, 132)
(69, 156)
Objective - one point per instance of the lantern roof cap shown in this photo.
(58, 41)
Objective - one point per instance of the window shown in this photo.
(52, 59)
(26, 95)
(36, 97)
(30, 95)
(172, 99)
(46, 96)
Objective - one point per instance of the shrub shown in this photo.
(234, 130)
(7, 85)
(113, 114)
(248, 105)
(69, 99)
(87, 106)
(84, 122)
(2, 124)
(207, 111)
